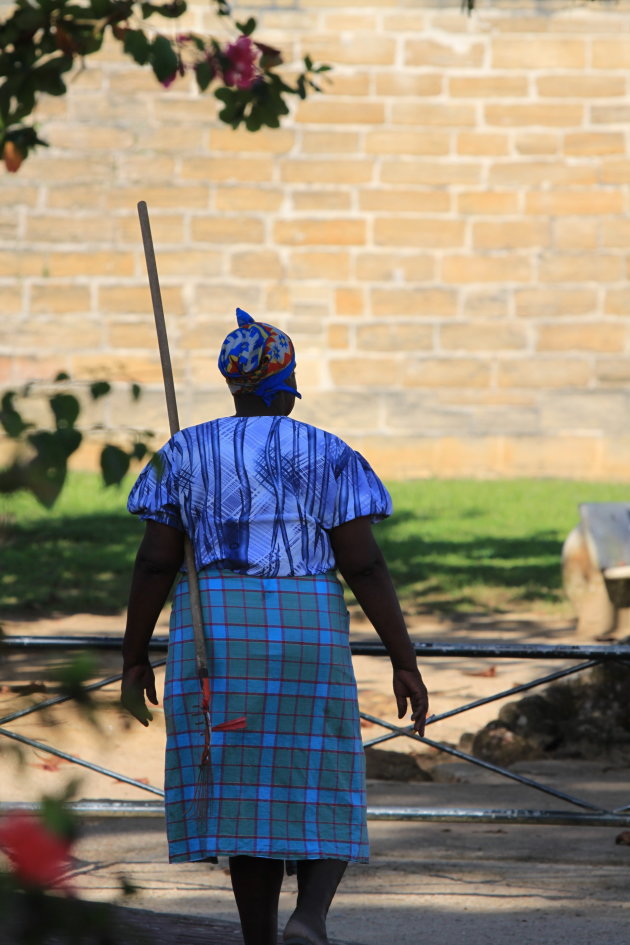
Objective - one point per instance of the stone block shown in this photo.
(580, 87)
(339, 200)
(266, 140)
(574, 202)
(416, 302)
(335, 112)
(341, 171)
(164, 197)
(598, 336)
(263, 264)
(404, 199)
(168, 229)
(334, 232)
(429, 52)
(406, 83)
(591, 412)
(462, 269)
(362, 48)
(482, 144)
(425, 232)
(581, 267)
(555, 302)
(330, 264)
(447, 372)
(12, 299)
(233, 198)
(431, 173)
(610, 52)
(349, 301)
(55, 229)
(395, 336)
(486, 87)
(534, 142)
(375, 373)
(56, 298)
(331, 142)
(617, 302)
(544, 372)
(395, 267)
(553, 456)
(522, 53)
(223, 229)
(449, 115)
(511, 234)
(226, 169)
(542, 174)
(554, 116)
(412, 143)
(136, 299)
(222, 298)
(576, 233)
(483, 336)
(191, 262)
(487, 202)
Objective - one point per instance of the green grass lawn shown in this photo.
(451, 545)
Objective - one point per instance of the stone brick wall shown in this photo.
(444, 233)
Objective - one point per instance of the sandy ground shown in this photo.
(473, 883)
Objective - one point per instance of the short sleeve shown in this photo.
(155, 493)
(359, 492)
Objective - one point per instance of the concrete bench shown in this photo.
(596, 569)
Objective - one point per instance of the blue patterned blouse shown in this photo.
(258, 495)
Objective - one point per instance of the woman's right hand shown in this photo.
(408, 685)
(137, 680)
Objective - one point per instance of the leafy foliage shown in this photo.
(42, 41)
(41, 462)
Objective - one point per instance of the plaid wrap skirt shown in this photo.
(291, 783)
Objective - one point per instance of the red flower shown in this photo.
(242, 56)
(38, 856)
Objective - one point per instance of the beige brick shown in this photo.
(170, 198)
(405, 21)
(165, 228)
(213, 169)
(611, 53)
(581, 86)
(11, 299)
(489, 86)
(487, 202)
(542, 174)
(98, 263)
(396, 84)
(336, 22)
(510, 234)
(574, 202)
(233, 198)
(562, 53)
(615, 232)
(306, 200)
(431, 173)
(132, 334)
(471, 269)
(222, 298)
(22, 196)
(76, 137)
(365, 372)
(331, 112)
(349, 83)
(544, 373)
(589, 143)
(421, 302)
(272, 140)
(338, 337)
(552, 303)
(147, 169)
(617, 302)
(55, 169)
(420, 200)
(50, 299)
(338, 232)
(563, 456)
(512, 116)
(615, 172)
(395, 336)
(340, 171)
(331, 142)
(33, 367)
(427, 52)
(484, 303)
(611, 371)
(349, 301)
(142, 370)
(482, 143)
(576, 233)
(537, 143)
(483, 336)
(227, 230)
(359, 49)
(47, 228)
(581, 267)
(168, 140)
(264, 264)
(595, 337)
(204, 335)
(319, 265)
(447, 372)
(395, 267)
(443, 115)
(19, 264)
(129, 82)
(419, 231)
(136, 299)
(190, 262)
(407, 142)
(610, 114)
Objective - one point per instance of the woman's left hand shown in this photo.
(137, 680)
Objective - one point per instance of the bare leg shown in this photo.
(317, 884)
(256, 882)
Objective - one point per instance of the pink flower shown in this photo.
(242, 56)
(168, 81)
(38, 856)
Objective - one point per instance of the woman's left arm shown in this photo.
(159, 558)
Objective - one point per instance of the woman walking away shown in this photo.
(272, 507)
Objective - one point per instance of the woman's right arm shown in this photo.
(361, 563)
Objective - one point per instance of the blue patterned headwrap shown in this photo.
(257, 358)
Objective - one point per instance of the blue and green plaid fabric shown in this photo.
(291, 784)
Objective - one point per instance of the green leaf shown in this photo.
(136, 392)
(100, 389)
(10, 418)
(163, 58)
(62, 376)
(140, 450)
(114, 465)
(137, 46)
(170, 10)
(204, 73)
(248, 27)
(66, 409)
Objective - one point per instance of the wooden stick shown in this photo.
(173, 419)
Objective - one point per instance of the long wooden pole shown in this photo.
(173, 419)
